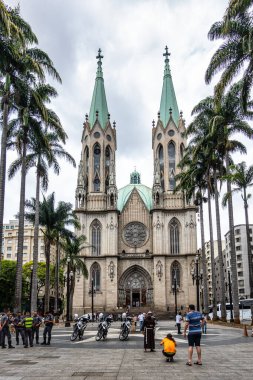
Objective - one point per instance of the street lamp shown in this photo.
(93, 292)
(67, 323)
(175, 289)
(228, 286)
(198, 276)
(31, 284)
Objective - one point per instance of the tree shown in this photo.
(242, 178)
(235, 53)
(7, 281)
(55, 221)
(72, 246)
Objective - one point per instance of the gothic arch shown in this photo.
(176, 271)
(135, 287)
(172, 164)
(160, 156)
(174, 236)
(86, 160)
(96, 166)
(95, 275)
(96, 237)
(182, 148)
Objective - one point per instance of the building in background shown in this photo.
(209, 265)
(241, 258)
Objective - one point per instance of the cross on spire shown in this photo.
(99, 56)
(166, 54)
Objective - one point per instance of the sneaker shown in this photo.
(43, 343)
(25, 346)
(11, 346)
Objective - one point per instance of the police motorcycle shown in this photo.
(125, 327)
(79, 326)
(103, 326)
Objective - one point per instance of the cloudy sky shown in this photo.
(132, 35)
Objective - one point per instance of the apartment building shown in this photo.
(209, 265)
(241, 257)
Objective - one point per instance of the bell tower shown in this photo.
(96, 184)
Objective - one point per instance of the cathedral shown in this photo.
(141, 241)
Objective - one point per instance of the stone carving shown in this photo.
(135, 234)
(111, 270)
(190, 224)
(159, 270)
(112, 225)
(158, 223)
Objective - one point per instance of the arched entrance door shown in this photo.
(135, 288)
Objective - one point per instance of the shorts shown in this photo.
(168, 354)
(194, 340)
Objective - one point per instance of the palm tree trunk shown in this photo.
(205, 291)
(21, 217)
(214, 300)
(233, 252)
(57, 259)
(221, 268)
(36, 244)
(3, 171)
(249, 249)
(47, 280)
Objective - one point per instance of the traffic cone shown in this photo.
(245, 331)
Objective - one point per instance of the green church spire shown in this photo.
(168, 98)
(98, 103)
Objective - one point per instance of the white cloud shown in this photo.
(132, 35)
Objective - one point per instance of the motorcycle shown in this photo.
(103, 327)
(79, 327)
(125, 329)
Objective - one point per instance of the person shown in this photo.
(5, 329)
(48, 322)
(169, 347)
(194, 321)
(204, 324)
(28, 324)
(37, 321)
(19, 327)
(141, 320)
(178, 322)
(149, 332)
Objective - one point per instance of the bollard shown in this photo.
(133, 327)
(245, 331)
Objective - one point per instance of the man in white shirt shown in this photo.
(178, 322)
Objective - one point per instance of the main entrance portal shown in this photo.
(135, 288)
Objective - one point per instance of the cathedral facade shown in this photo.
(141, 241)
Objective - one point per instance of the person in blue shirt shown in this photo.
(194, 322)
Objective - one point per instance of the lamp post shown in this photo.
(31, 284)
(198, 276)
(93, 292)
(67, 323)
(175, 290)
(228, 286)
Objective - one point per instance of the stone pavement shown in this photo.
(82, 362)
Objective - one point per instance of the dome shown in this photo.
(125, 192)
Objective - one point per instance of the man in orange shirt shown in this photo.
(169, 347)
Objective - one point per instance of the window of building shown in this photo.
(238, 257)
(96, 238)
(172, 165)
(96, 158)
(240, 274)
(9, 248)
(250, 230)
(25, 247)
(174, 237)
(10, 234)
(241, 282)
(8, 255)
(238, 239)
(238, 248)
(237, 231)
(9, 241)
(95, 273)
(161, 164)
(175, 272)
(241, 291)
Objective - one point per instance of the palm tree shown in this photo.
(15, 34)
(236, 7)
(43, 153)
(224, 122)
(235, 53)
(72, 248)
(54, 222)
(242, 178)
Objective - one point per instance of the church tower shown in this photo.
(174, 221)
(96, 202)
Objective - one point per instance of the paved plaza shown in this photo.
(226, 354)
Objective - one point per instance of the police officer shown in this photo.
(19, 327)
(37, 320)
(5, 325)
(28, 323)
(48, 322)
